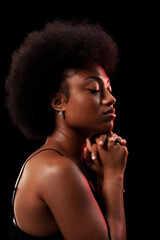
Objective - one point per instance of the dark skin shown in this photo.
(54, 192)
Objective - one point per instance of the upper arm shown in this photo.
(69, 197)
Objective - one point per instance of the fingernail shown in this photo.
(124, 141)
(87, 141)
(101, 143)
(113, 138)
(93, 157)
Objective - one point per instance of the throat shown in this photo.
(70, 145)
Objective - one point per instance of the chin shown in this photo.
(108, 127)
(103, 129)
(111, 126)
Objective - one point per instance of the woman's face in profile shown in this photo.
(90, 100)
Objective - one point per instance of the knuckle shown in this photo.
(125, 150)
(103, 137)
(88, 144)
(88, 162)
(94, 148)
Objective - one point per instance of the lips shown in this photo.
(111, 110)
(110, 114)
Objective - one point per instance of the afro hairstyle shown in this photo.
(37, 68)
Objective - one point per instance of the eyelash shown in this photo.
(96, 91)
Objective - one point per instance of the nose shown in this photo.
(108, 99)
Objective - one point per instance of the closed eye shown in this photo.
(94, 91)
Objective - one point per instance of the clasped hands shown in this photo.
(106, 152)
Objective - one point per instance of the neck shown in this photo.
(69, 143)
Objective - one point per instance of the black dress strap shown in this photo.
(20, 175)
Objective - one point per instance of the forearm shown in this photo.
(113, 207)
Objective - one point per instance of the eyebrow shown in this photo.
(96, 78)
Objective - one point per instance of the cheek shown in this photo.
(82, 109)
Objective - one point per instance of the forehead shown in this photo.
(93, 72)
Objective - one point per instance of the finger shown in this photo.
(101, 140)
(88, 144)
(123, 142)
(120, 141)
(84, 152)
(117, 139)
(94, 165)
(113, 137)
(94, 152)
(86, 157)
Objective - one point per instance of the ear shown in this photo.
(58, 101)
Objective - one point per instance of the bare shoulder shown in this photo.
(50, 165)
(60, 171)
(67, 194)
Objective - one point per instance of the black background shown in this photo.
(130, 26)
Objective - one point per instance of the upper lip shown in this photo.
(111, 110)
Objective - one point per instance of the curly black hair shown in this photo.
(38, 66)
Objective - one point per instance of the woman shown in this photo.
(58, 88)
